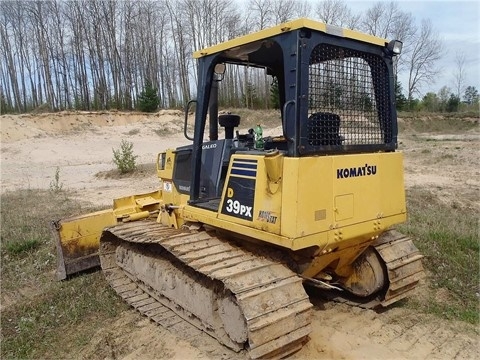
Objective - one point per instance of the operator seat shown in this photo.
(324, 129)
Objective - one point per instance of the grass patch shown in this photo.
(454, 115)
(27, 249)
(19, 247)
(165, 131)
(448, 157)
(37, 328)
(42, 318)
(132, 132)
(447, 235)
(141, 170)
(437, 123)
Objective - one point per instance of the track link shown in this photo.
(266, 296)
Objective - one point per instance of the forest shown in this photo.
(103, 55)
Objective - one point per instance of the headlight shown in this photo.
(395, 47)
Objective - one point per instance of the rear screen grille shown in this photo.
(348, 102)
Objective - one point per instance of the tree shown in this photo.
(283, 10)
(453, 103)
(251, 98)
(148, 100)
(386, 20)
(336, 12)
(430, 102)
(414, 105)
(96, 54)
(443, 96)
(426, 52)
(124, 157)
(274, 94)
(471, 95)
(262, 11)
(4, 104)
(400, 99)
(459, 75)
(303, 8)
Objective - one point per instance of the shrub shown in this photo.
(55, 185)
(124, 157)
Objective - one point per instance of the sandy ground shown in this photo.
(80, 145)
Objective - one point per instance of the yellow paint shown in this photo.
(80, 235)
(165, 164)
(340, 216)
(274, 166)
(137, 216)
(343, 207)
(311, 207)
(170, 194)
(285, 27)
(314, 207)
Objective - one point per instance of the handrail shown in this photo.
(187, 107)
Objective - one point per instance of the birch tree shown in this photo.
(460, 73)
(421, 63)
(337, 12)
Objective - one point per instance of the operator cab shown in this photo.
(334, 92)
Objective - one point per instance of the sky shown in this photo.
(457, 24)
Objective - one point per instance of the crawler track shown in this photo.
(403, 267)
(182, 278)
(403, 262)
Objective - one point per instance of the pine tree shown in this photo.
(148, 100)
(471, 95)
(453, 103)
(400, 99)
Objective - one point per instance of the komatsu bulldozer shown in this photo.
(240, 224)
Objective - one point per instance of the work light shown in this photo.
(395, 47)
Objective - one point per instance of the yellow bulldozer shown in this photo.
(240, 224)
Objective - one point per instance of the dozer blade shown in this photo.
(243, 300)
(77, 239)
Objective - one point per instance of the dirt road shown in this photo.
(80, 146)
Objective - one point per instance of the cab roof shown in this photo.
(290, 26)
